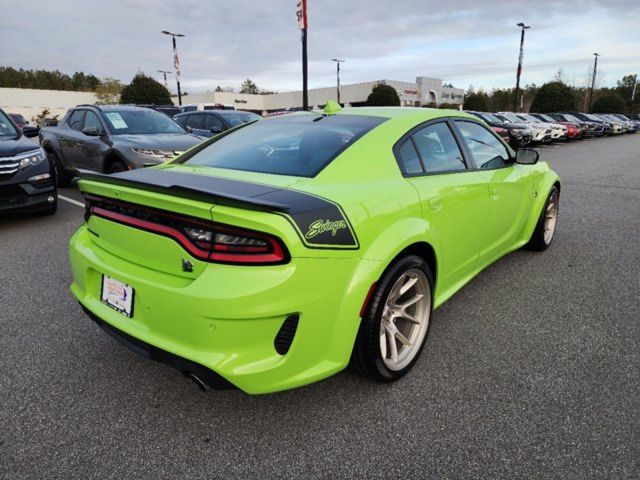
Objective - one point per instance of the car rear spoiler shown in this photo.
(319, 222)
(218, 190)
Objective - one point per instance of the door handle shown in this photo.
(495, 193)
(435, 203)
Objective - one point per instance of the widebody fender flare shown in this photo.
(543, 189)
(376, 258)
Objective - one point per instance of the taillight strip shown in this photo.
(153, 227)
(219, 253)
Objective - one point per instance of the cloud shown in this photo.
(461, 41)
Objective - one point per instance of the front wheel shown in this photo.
(546, 226)
(396, 322)
(61, 178)
(116, 167)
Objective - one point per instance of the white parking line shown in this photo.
(71, 201)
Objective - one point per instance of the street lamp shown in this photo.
(164, 73)
(523, 27)
(593, 79)
(176, 61)
(338, 62)
(633, 91)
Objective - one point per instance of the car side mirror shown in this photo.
(189, 129)
(216, 129)
(30, 132)
(91, 131)
(527, 156)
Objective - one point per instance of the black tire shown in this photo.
(367, 356)
(116, 167)
(538, 243)
(60, 176)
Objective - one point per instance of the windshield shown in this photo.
(510, 117)
(297, 145)
(7, 130)
(571, 118)
(487, 117)
(237, 118)
(140, 122)
(531, 118)
(548, 118)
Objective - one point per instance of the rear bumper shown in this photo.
(226, 319)
(208, 376)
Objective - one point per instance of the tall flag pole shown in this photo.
(176, 64)
(301, 14)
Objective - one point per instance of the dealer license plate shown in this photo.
(118, 295)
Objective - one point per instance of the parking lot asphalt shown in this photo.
(531, 371)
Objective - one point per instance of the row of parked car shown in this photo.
(114, 138)
(522, 129)
(103, 138)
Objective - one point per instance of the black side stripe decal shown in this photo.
(319, 222)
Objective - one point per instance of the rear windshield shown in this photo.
(296, 145)
(235, 119)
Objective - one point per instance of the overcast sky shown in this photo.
(461, 41)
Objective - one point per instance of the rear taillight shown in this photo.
(228, 244)
(208, 241)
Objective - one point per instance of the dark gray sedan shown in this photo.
(112, 138)
(207, 123)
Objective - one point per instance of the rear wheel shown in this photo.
(395, 326)
(61, 177)
(546, 226)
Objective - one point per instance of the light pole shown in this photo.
(633, 91)
(593, 79)
(301, 15)
(164, 73)
(176, 61)
(523, 27)
(338, 62)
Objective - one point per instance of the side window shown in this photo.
(195, 121)
(409, 159)
(75, 120)
(213, 121)
(91, 120)
(438, 148)
(487, 150)
(182, 120)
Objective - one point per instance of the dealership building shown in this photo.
(425, 91)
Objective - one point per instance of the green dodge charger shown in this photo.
(272, 255)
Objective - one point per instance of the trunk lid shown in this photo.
(192, 193)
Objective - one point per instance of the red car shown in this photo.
(503, 132)
(573, 131)
(18, 119)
